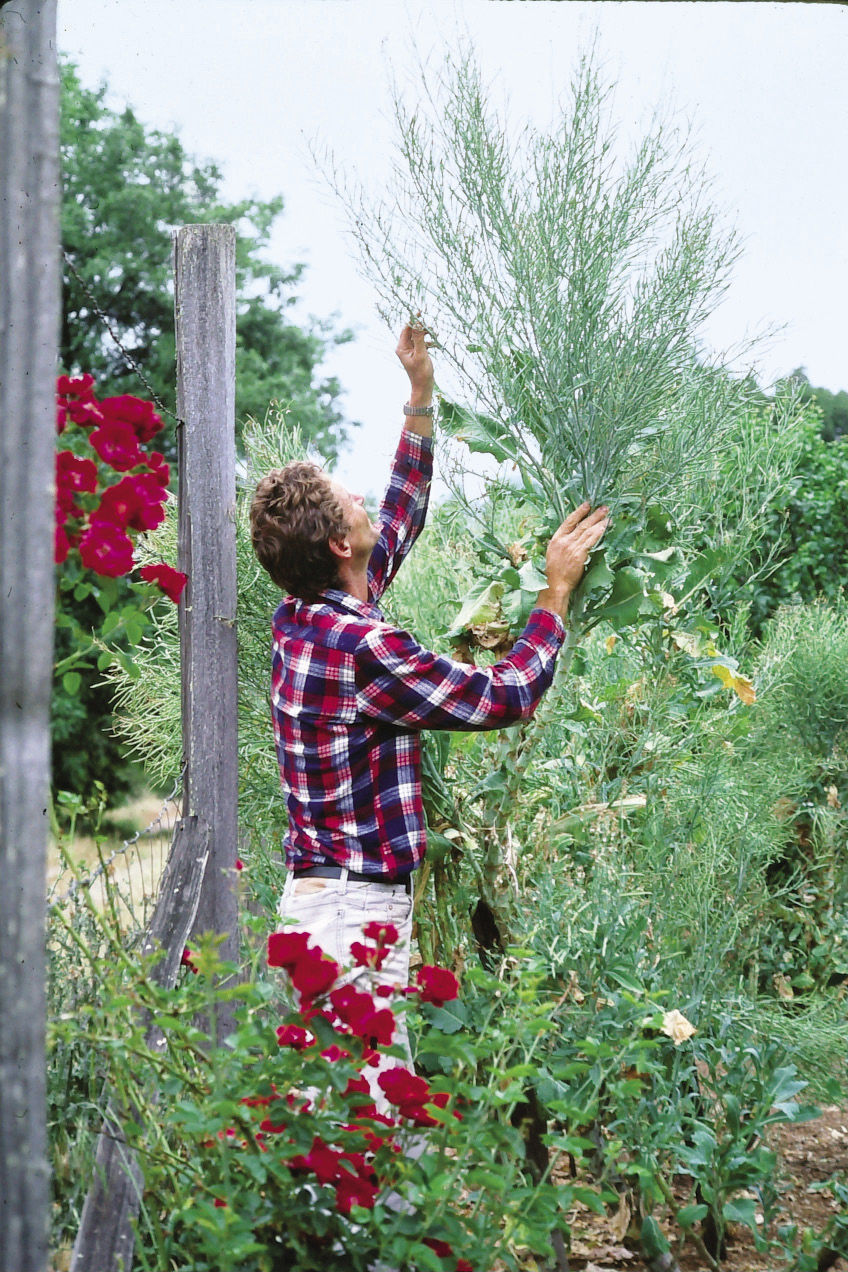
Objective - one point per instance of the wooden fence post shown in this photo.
(204, 297)
(29, 335)
(105, 1239)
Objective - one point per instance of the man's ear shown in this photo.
(340, 547)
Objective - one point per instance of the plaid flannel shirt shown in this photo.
(350, 692)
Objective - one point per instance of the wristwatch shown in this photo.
(418, 410)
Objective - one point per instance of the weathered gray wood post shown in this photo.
(106, 1237)
(204, 297)
(29, 333)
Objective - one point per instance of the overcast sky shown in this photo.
(246, 82)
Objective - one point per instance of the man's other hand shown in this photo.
(568, 552)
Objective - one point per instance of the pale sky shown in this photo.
(247, 82)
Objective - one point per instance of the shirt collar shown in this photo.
(339, 599)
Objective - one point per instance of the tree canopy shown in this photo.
(125, 187)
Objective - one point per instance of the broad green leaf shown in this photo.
(532, 578)
(689, 1215)
(627, 600)
(598, 575)
(438, 846)
(741, 1210)
(480, 433)
(71, 682)
(653, 1242)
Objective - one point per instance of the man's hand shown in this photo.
(567, 554)
(413, 351)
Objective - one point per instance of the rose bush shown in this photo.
(111, 488)
(307, 1142)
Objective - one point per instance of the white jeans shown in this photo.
(334, 912)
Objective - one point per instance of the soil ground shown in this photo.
(808, 1153)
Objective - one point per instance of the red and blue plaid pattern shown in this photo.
(349, 694)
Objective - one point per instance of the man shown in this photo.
(350, 693)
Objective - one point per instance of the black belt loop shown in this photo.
(335, 872)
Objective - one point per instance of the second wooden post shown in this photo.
(204, 298)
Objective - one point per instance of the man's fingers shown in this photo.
(573, 518)
(582, 518)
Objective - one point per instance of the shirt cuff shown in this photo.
(544, 624)
(414, 443)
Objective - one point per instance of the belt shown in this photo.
(335, 872)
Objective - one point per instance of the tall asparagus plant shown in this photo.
(567, 284)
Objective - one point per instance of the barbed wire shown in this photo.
(134, 366)
(121, 850)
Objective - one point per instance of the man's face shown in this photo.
(363, 533)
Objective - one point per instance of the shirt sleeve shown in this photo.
(403, 510)
(400, 682)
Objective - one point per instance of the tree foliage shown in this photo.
(126, 186)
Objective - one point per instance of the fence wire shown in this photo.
(126, 878)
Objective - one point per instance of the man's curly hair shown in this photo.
(293, 516)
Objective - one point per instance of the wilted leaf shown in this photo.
(741, 685)
(677, 1027)
(609, 643)
(481, 607)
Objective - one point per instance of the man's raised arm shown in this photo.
(404, 506)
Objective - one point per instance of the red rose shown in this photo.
(106, 550)
(61, 545)
(117, 446)
(293, 1036)
(441, 1248)
(134, 413)
(158, 467)
(171, 582)
(83, 387)
(323, 1161)
(353, 1190)
(313, 976)
(135, 501)
(437, 985)
(74, 474)
(368, 955)
(381, 933)
(334, 1053)
(359, 1012)
(285, 948)
(402, 1087)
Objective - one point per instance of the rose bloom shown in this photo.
(117, 446)
(437, 985)
(135, 501)
(106, 549)
(285, 948)
(381, 933)
(61, 545)
(170, 581)
(158, 467)
(74, 474)
(134, 413)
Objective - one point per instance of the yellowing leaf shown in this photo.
(741, 685)
(677, 1027)
(610, 643)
